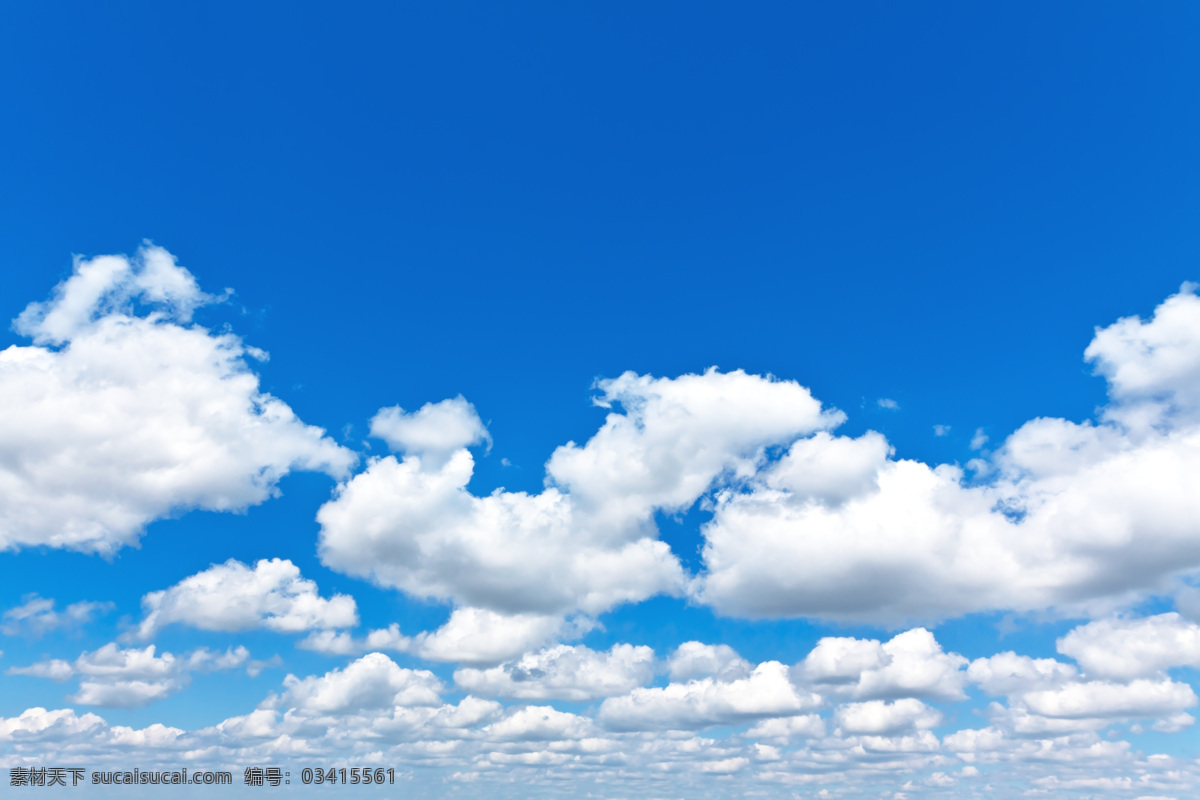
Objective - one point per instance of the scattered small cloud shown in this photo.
(36, 616)
(941, 430)
(888, 403)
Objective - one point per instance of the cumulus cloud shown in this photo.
(699, 660)
(539, 723)
(235, 597)
(373, 681)
(1074, 513)
(1139, 698)
(469, 636)
(703, 703)
(434, 431)
(784, 729)
(564, 673)
(1009, 673)
(36, 723)
(1132, 648)
(482, 636)
(342, 643)
(880, 717)
(127, 678)
(36, 616)
(587, 542)
(122, 412)
(910, 664)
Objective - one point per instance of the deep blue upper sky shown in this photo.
(420, 200)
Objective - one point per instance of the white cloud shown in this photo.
(114, 419)
(880, 717)
(1155, 362)
(234, 597)
(1139, 698)
(563, 672)
(480, 636)
(830, 469)
(941, 430)
(767, 692)
(1074, 513)
(1174, 723)
(539, 723)
(888, 404)
(127, 678)
(979, 439)
(470, 636)
(698, 660)
(434, 431)
(785, 729)
(1009, 673)
(373, 681)
(910, 664)
(36, 723)
(587, 543)
(343, 644)
(1132, 648)
(36, 616)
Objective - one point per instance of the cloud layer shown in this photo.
(122, 412)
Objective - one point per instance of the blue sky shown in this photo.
(757, 379)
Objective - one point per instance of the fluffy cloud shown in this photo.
(1139, 698)
(38, 723)
(1133, 648)
(122, 413)
(699, 660)
(373, 681)
(539, 723)
(563, 672)
(342, 643)
(1073, 513)
(1156, 362)
(470, 636)
(879, 717)
(784, 729)
(127, 678)
(1009, 673)
(587, 542)
(234, 597)
(481, 636)
(767, 692)
(433, 432)
(36, 616)
(910, 664)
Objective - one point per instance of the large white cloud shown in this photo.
(1138, 698)
(563, 672)
(1131, 648)
(587, 542)
(1073, 513)
(880, 717)
(234, 597)
(766, 692)
(910, 664)
(699, 660)
(373, 681)
(1010, 673)
(122, 412)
